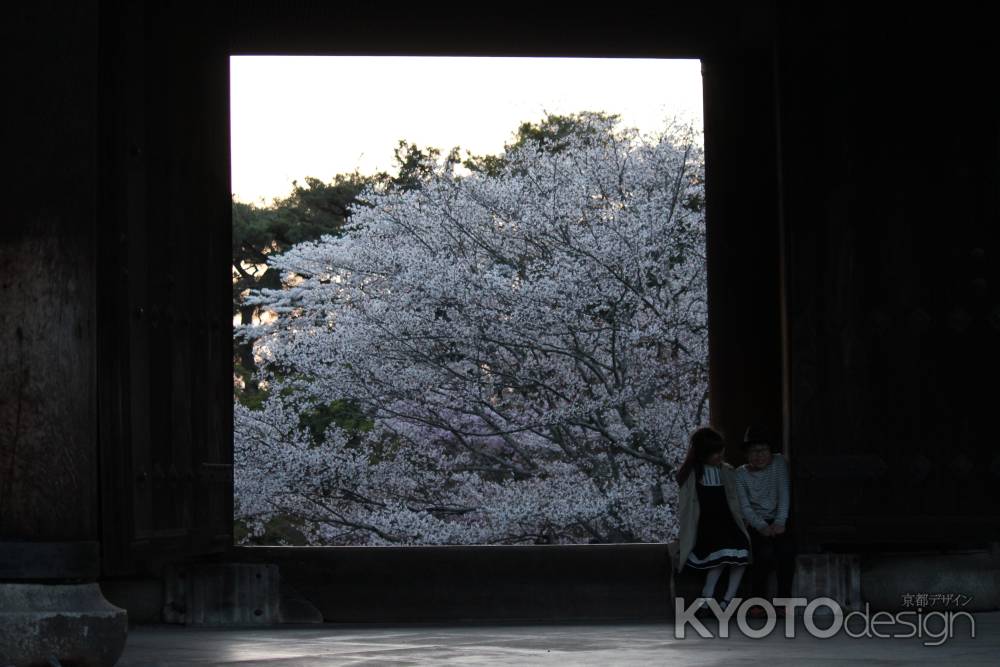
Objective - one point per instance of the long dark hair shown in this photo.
(702, 444)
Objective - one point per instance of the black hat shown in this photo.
(756, 436)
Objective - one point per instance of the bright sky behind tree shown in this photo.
(297, 116)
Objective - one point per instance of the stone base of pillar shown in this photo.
(72, 623)
(934, 582)
(835, 576)
(222, 594)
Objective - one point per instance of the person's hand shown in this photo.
(766, 531)
(777, 528)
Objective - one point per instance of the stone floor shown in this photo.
(577, 644)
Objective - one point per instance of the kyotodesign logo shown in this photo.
(935, 626)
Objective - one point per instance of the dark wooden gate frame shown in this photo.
(166, 472)
(737, 54)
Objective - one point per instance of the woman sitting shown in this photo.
(712, 534)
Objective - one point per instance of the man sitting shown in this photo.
(763, 488)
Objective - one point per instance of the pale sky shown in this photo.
(295, 116)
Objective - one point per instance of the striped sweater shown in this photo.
(764, 493)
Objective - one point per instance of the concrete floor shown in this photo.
(604, 644)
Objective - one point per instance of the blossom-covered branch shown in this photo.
(528, 345)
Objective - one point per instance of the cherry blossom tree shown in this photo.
(528, 347)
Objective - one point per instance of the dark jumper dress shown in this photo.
(719, 540)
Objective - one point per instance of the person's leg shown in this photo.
(711, 579)
(763, 562)
(735, 576)
(784, 548)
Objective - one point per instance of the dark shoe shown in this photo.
(704, 611)
(757, 611)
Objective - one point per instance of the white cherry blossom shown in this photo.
(530, 348)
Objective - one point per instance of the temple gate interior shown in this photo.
(853, 170)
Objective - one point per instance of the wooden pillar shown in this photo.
(889, 162)
(49, 550)
(745, 363)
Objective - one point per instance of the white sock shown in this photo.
(711, 578)
(735, 576)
